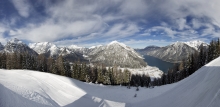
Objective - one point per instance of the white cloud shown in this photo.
(169, 32)
(85, 21)
(22, 6)
(122, 30)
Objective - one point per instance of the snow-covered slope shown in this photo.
(17, 46)
(116, 54)
(24, 88)
(201, 89)
(196, 44)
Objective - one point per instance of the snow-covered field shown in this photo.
(24, 88)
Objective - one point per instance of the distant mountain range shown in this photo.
(175, 52)
(112, 54)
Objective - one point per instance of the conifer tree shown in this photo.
(60, 65)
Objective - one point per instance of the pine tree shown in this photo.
(3, 61)
(50, 65)
(42, 63)
(100, 77)
(9, 61)
(126, 76)
(83, 72)
(60, 66)
(107, 78)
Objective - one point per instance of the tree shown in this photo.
(60, 65)
(126, 76)
(107, 77)
(41, 62)
(3, 61)
(50, 65)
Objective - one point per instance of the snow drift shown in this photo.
(25, 88)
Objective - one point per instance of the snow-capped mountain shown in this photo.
(18, 46)
(173, 53)
(116, 53)
(45, 48)
(78, 49)
(51, 50)
(196, 44)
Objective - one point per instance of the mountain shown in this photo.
(26, 88)
(82, 50)
(116, 53)
(51, 50)
(196, 44)
(173, 53)
(1, 47)
(17, 46)
(147, 49)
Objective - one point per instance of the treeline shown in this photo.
(80, 71)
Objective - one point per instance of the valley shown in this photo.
(162, 65)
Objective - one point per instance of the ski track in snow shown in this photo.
(25, 88)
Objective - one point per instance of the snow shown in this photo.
(15, 41)
(125, 47)
(43, 47)
(25, 88)
(74, 47)
(196, 44)
(153, 72)
(92, 47)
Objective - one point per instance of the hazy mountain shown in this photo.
(147, 49)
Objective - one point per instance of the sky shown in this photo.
(86, 23)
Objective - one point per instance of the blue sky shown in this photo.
(137, 23)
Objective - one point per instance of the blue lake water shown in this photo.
(162, 65)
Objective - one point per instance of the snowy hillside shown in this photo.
(24, 88)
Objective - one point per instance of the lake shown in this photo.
(162, 65)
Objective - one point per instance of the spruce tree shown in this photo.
(60, 65)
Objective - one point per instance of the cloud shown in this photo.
(82, 22)
(2, 31)
(23, 7)
(168, 31)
